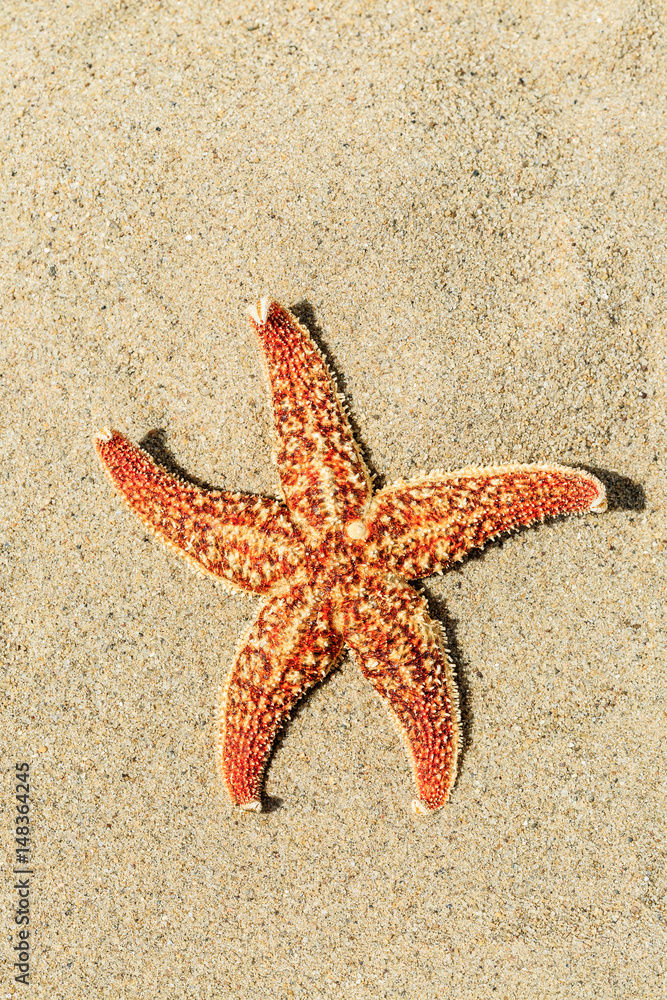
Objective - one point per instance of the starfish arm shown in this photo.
(419, 527)
(291, 646)
(401, 652)
(246, 540)
(324, 480)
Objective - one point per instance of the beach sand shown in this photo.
(466, 203)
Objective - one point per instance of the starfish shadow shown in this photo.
(271, 803)
(623, 493)
(439, 611)
(305, 313)
(154, 444)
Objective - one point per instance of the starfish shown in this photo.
(332, 562)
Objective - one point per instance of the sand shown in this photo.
(467, 204)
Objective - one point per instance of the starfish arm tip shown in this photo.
(254, 806)
(600, 503)
(264, 305)
(103, 436)
(420, 808)
(259, 311)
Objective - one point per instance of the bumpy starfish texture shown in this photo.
(332, 562)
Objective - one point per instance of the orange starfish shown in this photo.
(332, 562)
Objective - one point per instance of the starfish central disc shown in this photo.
(331, 562)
